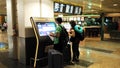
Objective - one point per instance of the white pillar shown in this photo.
(25, 10)
(11, 20)
(19, 13)
(9, 16)
(47, 8)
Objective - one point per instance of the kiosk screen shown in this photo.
(44, 28)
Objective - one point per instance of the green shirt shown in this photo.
(58, 30)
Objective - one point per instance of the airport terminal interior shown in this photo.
(100, 20)
(94, 53)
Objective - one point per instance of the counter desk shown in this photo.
(92, 31)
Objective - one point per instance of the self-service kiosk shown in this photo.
(42, 28)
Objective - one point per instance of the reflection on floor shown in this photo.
(84, 63)
(94, 53)
(3, 46)
(6, 62)
(98, 49)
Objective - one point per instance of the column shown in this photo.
(25, 10)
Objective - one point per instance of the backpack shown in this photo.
(79, 32)
(64, 37)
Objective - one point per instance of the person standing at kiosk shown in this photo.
(57, 45)
(61, 39)
(75, 41)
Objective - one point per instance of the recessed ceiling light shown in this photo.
(115, 4)
(102, 0)
(96, 12)
(89, 7)
(93, 10)
(89, 3)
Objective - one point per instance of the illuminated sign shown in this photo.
(66, 8)
(69, 9)
(56, 7)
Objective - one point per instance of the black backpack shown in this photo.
(79, 32)
(64, 37)
(80, 36)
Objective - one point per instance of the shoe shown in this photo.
(75, 60)
(69, 63)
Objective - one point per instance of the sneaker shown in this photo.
(70, 63)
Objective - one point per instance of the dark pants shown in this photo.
(65, 50)
(75, 49)
(58, 47)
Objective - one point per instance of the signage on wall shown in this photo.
(66, 8)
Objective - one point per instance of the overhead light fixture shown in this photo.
(89, 7)
(101, 0)
(115, 4)
(89, 3)
(93, 10)
(60, 15)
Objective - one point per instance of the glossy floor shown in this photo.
(94, 53)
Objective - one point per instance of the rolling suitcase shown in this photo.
(55, 59)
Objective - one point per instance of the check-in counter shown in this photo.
(92, 31)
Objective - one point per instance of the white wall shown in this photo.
(25, 10)
(20, 14)
(47, 8)
(32, 8)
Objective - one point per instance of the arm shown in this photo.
(55, 34)
(71, 33)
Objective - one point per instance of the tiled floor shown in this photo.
(94, 53)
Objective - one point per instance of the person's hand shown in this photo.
(71, 33)
(51, 34)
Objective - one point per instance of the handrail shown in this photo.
(37, 38)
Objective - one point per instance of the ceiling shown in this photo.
(2, 7)
(89, 6)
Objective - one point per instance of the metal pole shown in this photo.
(37, 39)
(102, 28)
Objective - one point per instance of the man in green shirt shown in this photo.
(57, 45)
(59, 41)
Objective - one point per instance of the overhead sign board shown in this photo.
(67, 8)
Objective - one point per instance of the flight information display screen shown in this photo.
(45, 28)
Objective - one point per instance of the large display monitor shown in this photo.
(45, 28)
